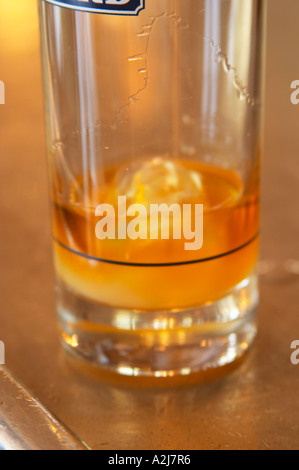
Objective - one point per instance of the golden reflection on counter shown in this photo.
(18, 25)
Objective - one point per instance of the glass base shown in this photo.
(159, 344)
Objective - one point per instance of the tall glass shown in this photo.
(155, 106)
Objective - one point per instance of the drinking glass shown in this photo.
(153, 118)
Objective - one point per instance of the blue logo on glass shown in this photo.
(116, 7)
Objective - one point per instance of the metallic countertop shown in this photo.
(255, 406)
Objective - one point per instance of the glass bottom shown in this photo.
(159, 344)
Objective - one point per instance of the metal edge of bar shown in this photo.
(25, 424)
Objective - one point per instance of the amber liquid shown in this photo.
(230, 238)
